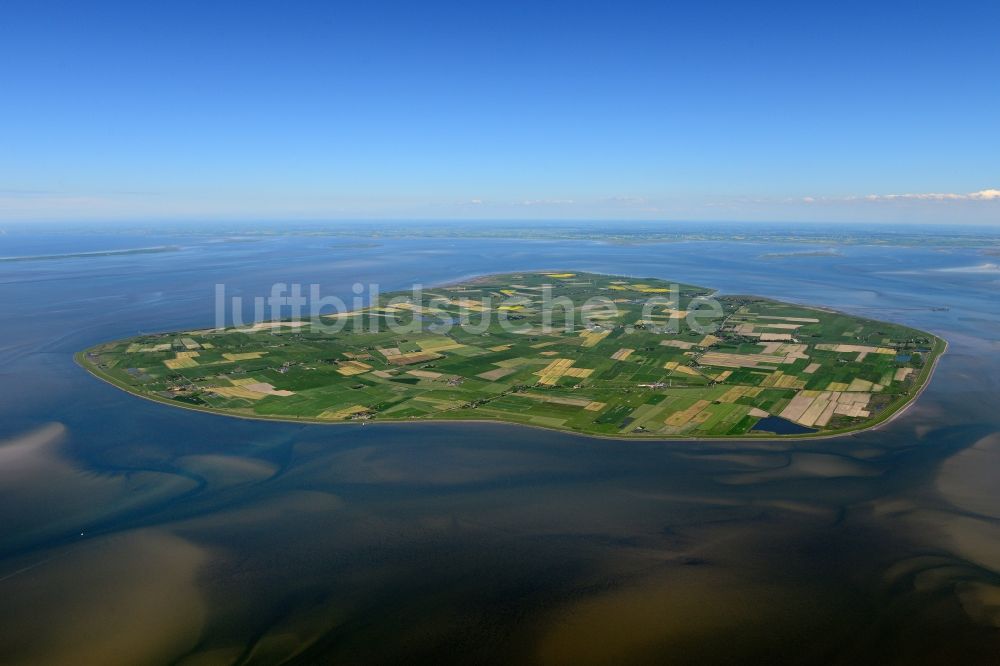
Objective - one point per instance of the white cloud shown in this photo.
(627, 201)
(981, 195)
(547, 202)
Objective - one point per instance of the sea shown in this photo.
(132, 532)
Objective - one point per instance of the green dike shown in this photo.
(620, 374)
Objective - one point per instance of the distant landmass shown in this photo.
(98, 253)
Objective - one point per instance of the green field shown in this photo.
(605, 360)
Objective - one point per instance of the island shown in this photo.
(601, 355)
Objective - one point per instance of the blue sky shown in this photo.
(838, 111)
